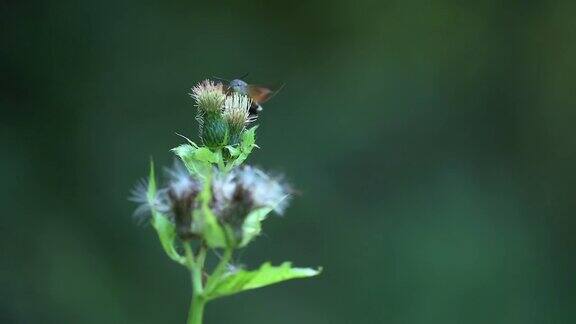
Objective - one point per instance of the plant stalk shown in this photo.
(221, 163)
(196, 311)
(219, 271)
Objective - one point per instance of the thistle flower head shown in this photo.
(236, 109)
(265, 190)
(242, 191)
(180, 199)
(181, 184)
(209, 96)
(236, 114)
(176, 201)
(250, 188)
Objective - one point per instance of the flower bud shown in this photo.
(210, 97)
(214, 131)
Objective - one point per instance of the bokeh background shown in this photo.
(433, 142)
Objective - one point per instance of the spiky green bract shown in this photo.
(214, 131)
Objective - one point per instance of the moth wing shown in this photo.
(261, 94)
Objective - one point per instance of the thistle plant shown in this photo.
(213, 205)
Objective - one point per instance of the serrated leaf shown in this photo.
(247, 144)
(198, 160)
(248, 139)
(233, 151)
(252, 225)
(205, 155)
(267, 274)
(167, 235)
(164, 228)
(185, 151)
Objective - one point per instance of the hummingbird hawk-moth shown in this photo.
(258, 93)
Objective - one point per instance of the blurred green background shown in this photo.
(434, 144)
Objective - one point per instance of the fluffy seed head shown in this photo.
(265, 190)
(251, 188)
(180, 196)
(140, 196)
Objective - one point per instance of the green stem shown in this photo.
(220, 155)
(189, 256)
(219, 271)
(198, 269)
(196, 310)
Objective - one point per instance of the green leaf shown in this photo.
(167, 235)
(248, 139)
(252, 225)
(165, 229)
(233, 151)
(198, 160)
(214, 234)
(151, 184)
(186, 153)
(187, 140)
(267, 274)
(247, 144)
(204, 154)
